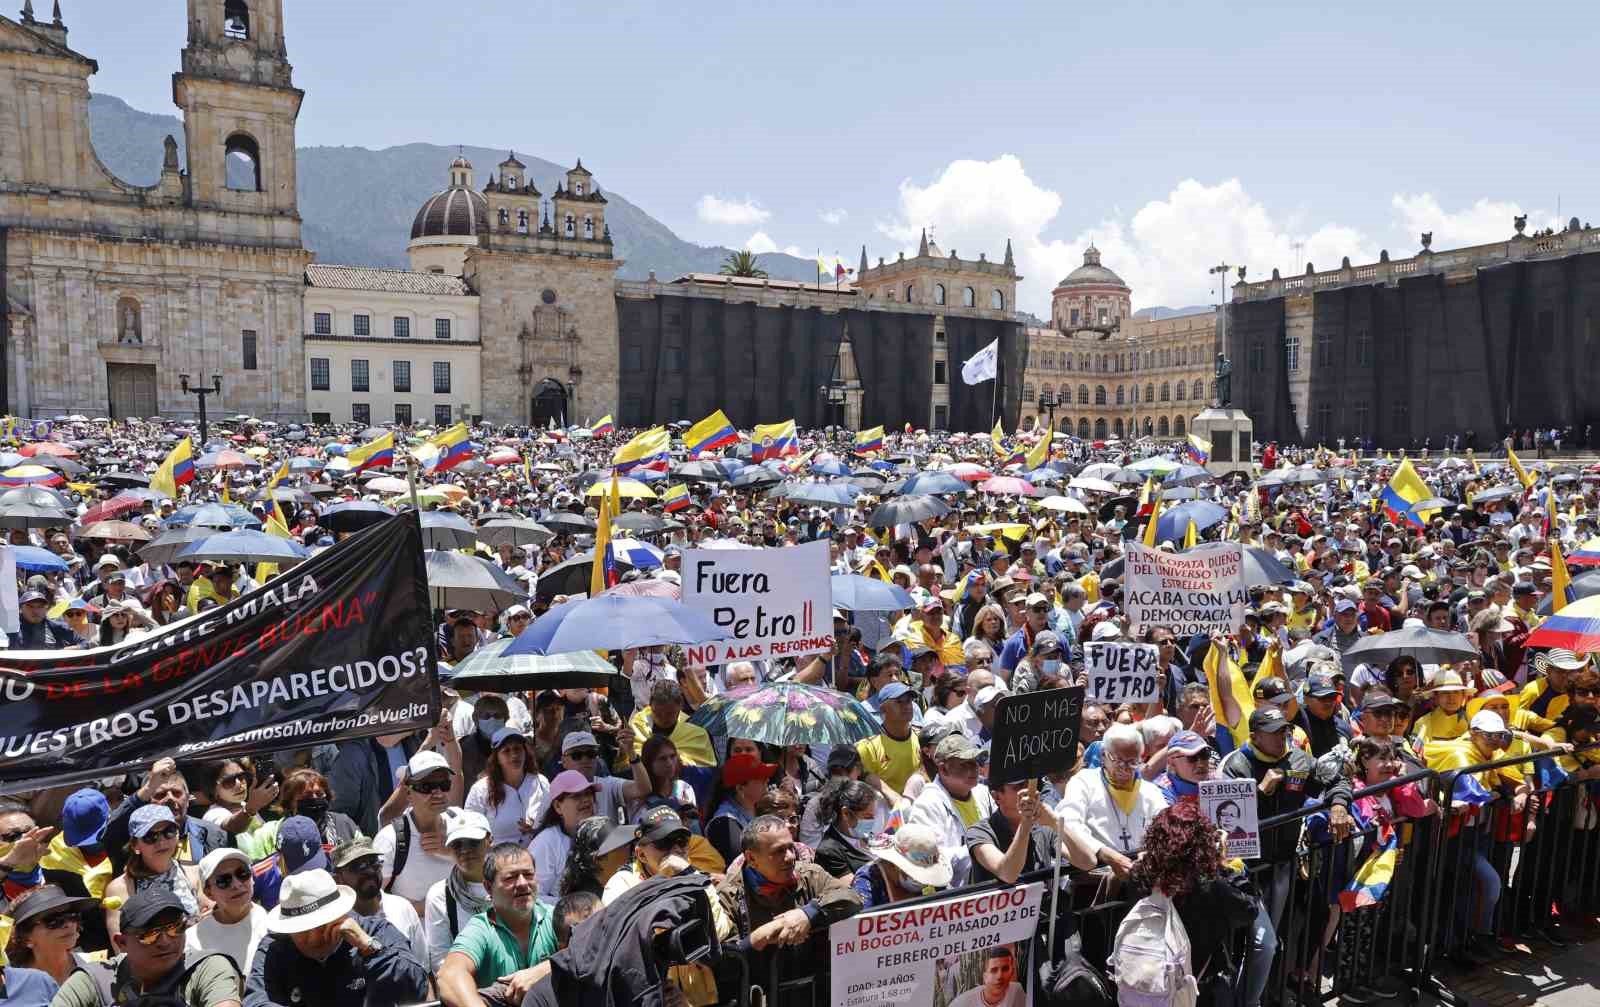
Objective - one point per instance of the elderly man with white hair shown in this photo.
(1156, 732)
(1105, 811)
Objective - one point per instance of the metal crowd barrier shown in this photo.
(1545, 860)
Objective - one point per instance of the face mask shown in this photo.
(488, 725)
(862, 829)
(1051, 665)
(314, 808)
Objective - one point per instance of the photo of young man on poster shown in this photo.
(1000, 979)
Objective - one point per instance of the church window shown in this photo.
(1150, 392)
(1166, 392)
(1199, 392)
(402, 375)
(322, 323)
(1074, 317)
(402, 413)
(938, 293)
(1121, 394)
(361, 412)
(319, 374)
(909, 291)
(248, 349)
(1083, 395)
(522, 221)
(363, 325)
(441, 416)
(402, 327)
(360, 376)
(570, 226)
(1099, 395)
(243, 167)
(997, 300)
(1027, 393)
(588, 227)
(504, 216)
(236, 19)
(441, 328)
(441, 377)
(969, 297)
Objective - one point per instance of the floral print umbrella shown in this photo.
(783, 713)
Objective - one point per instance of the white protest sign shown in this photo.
(1121, 672)
(1196, 591)
(1231, 804)
(773, 602)
(939, 952)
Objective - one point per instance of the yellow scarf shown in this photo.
(1124, 796)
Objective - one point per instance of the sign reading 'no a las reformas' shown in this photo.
(773, 602)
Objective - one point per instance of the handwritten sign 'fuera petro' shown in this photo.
(773, 602)
(1199, 590)
(1035, 733)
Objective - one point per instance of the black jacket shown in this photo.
(280, 976)
(836, 856)
(361, 780)
(1304, 779)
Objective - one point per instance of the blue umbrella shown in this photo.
(31, 557)
(1174, 523)
(335, 448)
(1186, 474)
(614, 622)
(243, 546)
(647, 475)
(830, 467)
(856, 593)
(213, 515)
(305, 465)
(933, 484)
(821, 494)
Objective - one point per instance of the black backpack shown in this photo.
(1074, 981)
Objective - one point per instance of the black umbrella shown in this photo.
(567, 523)
(116, 478)
(755, 477)
(1108, 510)
(23, 515)
(645, 524)
(354, 515)
(701, 471)
(907, 510)
(571, 577)
(1583, 585)
(1428, 646)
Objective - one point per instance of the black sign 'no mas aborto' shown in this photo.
(1035, 733)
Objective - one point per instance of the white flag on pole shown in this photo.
(983, 365)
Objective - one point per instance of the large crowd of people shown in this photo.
(454, 863)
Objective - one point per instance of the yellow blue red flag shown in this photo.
(177, 470)
(647, 450)
(455, 446)
(869, 440)
(1405, 489)
(372, 454)
(605, 426)
(676, 498)
(774, 440)
(1199, 449)
(715, 431)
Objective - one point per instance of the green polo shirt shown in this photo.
(494, 950)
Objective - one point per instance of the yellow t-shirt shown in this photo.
(1535, 689)
(1305, 618)
(889, 760)
(968, 810)
(1439, 726)
(1090, 582)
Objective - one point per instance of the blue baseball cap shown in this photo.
(894, 690)
(1187, 743)
(148, 817)
(300, 845)
(84, 817)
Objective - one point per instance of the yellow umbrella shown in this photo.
(630, 488)
(257, 452)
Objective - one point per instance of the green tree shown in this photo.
(742, 263)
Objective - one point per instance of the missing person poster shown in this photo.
(1121, 672)
(336, 648)
(1196, 591)
(773, 602)
(1231, 804)
(973, 951)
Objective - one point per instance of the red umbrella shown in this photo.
(969, 472)
(112, 509)
(1008, 486)
(503, 456)
(47, 448)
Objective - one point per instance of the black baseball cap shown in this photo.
(148, 905)
(1268, 718)
(661, 824)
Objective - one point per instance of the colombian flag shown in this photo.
(1587, 554)
(1549, 523)
(998, 436)
(869, 440)
(774, 440)
(278, 477)
(1199, 449)
(1575, 627)
(1523, 477)
(676, 498)
(1039, 453)
(605, 426)
(1560, 580)
(604, 571)
(372, 454)
(715, 431)
(647, 450)
(177, 470)
(455, 447)
(1405, 489)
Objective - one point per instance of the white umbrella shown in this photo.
(1064, 504)
(1092, 485)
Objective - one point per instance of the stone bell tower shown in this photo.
(239, 109)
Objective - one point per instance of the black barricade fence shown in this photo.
(338, 647)
(1371, 915)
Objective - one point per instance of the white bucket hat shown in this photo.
(309, 900)
(916, 851)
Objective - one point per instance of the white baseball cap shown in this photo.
(424, 763)
(1489, 722)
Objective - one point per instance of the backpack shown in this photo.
(402, 849)
(1074, 981)
(1150, 963)
(104, 975)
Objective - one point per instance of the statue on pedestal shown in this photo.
(1224, 376)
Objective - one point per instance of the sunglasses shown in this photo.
(226, 881)
(61, 920)
(11, 837)
(366, 865)
(234, 778)
(160, 835)
(149, 937)
(585, 753)
(437, 787)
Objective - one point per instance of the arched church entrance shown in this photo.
(549, 403)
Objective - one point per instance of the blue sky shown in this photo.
(1173, 135)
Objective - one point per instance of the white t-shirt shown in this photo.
(436, 921)
(237, 940)
(403, 916)
(550, 848)
(504, 821)
(421, 868)
(646, 673)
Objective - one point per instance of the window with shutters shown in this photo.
(363, 325)
(402, 413)
(402, 327)
(319, 374)
(360, 412)
(441, 416)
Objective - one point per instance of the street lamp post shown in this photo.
(202, 391)
(1221, 270)
(1047, 402)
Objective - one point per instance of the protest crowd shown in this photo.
(661, 823)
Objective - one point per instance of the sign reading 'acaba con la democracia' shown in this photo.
(772, 602)
(336, 648)
(1199, 590)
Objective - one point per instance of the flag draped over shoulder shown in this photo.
(1243, 695)
(774, 440)
(715, 431)
(1406, 488)
(177, 470)
(649, 449)
(372, 454)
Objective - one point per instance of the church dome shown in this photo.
(454, 212)
(1091, 272)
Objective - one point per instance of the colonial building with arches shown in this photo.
(1101, 372)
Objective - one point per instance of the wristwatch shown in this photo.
(369, 949)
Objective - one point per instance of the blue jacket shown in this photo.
(280, 976)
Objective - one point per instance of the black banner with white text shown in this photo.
(336, 648)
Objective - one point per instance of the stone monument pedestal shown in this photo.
(1230, 432)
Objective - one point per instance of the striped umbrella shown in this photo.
(1587, 554)
(1576, 628)
(31, 475)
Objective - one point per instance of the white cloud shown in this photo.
(833, 218)
(1479, 224)
(730, 212)
(761, 243)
